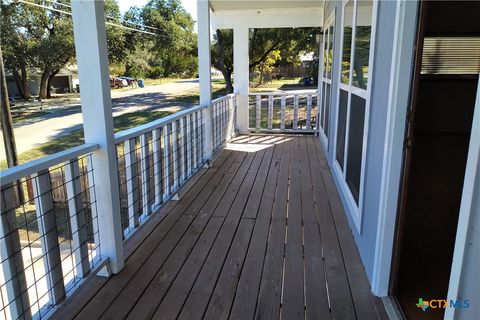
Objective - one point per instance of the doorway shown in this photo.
(439, 126)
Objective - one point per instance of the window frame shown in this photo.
(355, 210)
(325, 80)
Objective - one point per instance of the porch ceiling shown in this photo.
(266, 14)
(217, 5)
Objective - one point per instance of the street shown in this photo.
(51, 124)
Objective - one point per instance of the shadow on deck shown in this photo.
(260, 235)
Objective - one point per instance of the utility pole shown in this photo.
(7, 129)
(7, 123)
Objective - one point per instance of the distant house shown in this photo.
(62, 82)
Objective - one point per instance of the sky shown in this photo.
(189, 5)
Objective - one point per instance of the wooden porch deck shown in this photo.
(260, 235)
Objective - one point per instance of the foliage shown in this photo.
(176, 43)
(172, 51)
(289, 42)
(267, 65)
(38, 39)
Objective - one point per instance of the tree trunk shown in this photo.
(21, 80)
(49, 82)
(26, 88)
(42, 94)
(260, 79)
(227, 75)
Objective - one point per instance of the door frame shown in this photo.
(470, 196)
(406, 22)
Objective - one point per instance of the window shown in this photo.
(342, 124)
(328, 59)
(353, 97)
(347, 42)
(363, 29)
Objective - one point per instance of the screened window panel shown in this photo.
(325, 52)
(342, 126)
(327, 108)
(347, 42)
(355, 144)
(363, 31)
(331, 44)
(322, 116)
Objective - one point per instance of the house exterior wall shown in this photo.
(380, 77)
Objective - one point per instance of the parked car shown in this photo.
(118, 83)
(130, 81)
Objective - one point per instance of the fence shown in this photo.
(283, 112)
(48, 244)
(49, 228)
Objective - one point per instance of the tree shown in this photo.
(175, 44)
(39, 38)
(267, 65)
(289, 42)
(55, 47)
(222, 55)
(17, 47)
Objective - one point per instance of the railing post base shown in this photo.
(104, 272)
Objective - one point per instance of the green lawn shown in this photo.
(281, 84)
(154, 82)
(193, 96)
(75, 138)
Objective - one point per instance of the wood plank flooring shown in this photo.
(260, 235)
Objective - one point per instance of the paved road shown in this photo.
(29, 134)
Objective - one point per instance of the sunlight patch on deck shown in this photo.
(255, 145)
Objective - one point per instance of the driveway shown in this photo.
(57, 121)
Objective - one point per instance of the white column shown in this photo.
(92, 61)
(241, 76)
(203, 20)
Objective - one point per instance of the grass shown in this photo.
(75, 138)
(281, 84)
(193, 96)
(154, 82)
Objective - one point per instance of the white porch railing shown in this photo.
(223, 113)
(49, 230)
(283, 112)
(155, 159)
(49, 235)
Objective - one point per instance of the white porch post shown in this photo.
(205, 81)
(92, 60)
(241, 75)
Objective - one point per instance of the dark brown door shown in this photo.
(436, 148)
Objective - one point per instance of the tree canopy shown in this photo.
(267, 47)
(40, 40)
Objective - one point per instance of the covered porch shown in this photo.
(260, 234)
(189, 216)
